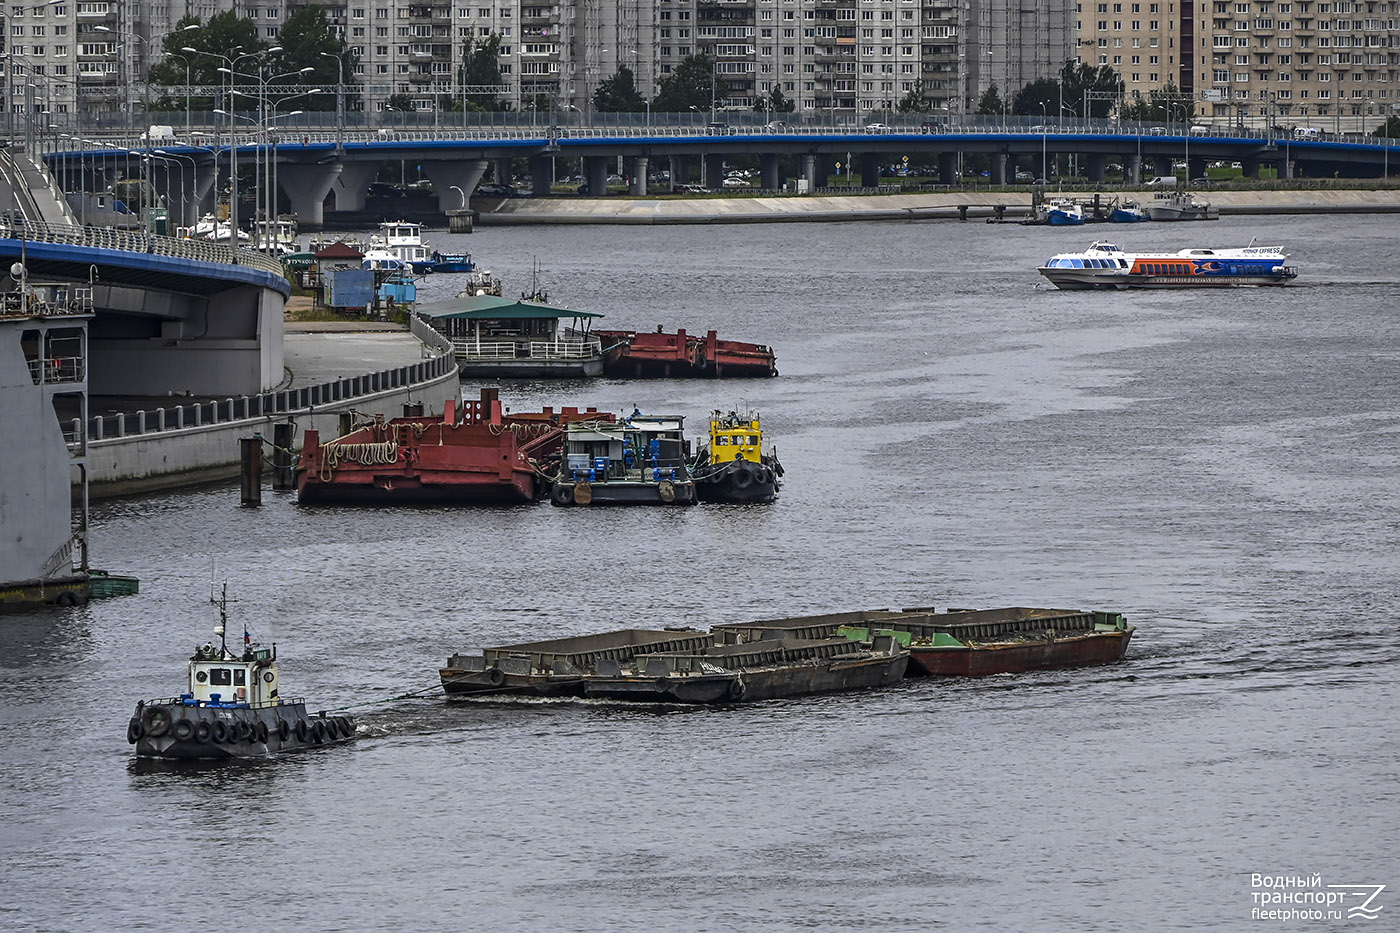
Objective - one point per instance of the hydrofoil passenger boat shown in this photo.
(1106, 265)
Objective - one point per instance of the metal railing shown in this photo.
(534, 350)
(55, 369)
(439, 363)
(37, 231)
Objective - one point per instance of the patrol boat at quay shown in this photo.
(1106, 265)
(233, 708)
(733, 467)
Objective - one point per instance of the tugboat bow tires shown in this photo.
(157, 722)
(183, 730)
(562, 494)
(741, 477)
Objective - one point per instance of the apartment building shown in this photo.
(1256, 63)
(841, 60)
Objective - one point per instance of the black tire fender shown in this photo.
(496, 676)
(202, 731)
(346, 728)
(736, 689)
(742, 478)
(219, 732)
(303, 730)
(318, 731)
(562, 494)
(157, 722)
(260, 731)
(133, 731)
(283, 730)
(183, 730)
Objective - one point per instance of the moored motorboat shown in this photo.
(401, 240)
(975, 643)
(639, 461)
(1106, 265)
(733, 467)
(1129, 212)
(1181, 205)
(232, 709)
(558, 666)
(1065, 212)
(452, 262)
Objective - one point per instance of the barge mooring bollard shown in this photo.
(962, 212)
(250, 470)
(283, 476)
(460, 221)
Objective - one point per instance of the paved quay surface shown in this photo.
(932, 206)
(322, 351)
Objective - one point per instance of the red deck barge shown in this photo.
(474, 454)
(659, 355)
(976, 643)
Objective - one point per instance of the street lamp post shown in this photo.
(1044, 115)
(340, 100)
(232, 132)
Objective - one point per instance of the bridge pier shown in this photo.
(809, 171)
(306, 187)
(1249, 168)
(503, 170)
(869, 169)
(596, 173)
(948, 168)
(353, 184)
(999, 160)
(1162, 166)
(1195, 168)
(1094, 164)
(641, 165)
(768, 172)
(680, 171)
(1132, 170)
(464, 174)
(541, 174)
(714, 171)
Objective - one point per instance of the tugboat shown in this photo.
(734, 468)
(233, 708)
(639, 461)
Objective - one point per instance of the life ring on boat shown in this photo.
(202, 731)
(583, 493)
(283, 730)
(666, 490)
(157, 722)
(496, 677)
(183, 730)
(742, 478)
(268, 677)
(219, 731)
(260, 731)
(562, 494)
(133, 731)
(303, 730)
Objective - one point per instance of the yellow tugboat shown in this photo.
(734, 467)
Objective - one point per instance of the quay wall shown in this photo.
(185, 445)
(951, 205)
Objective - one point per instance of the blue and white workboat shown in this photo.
(1105, 265)
(234, 708)
(398, 244)
(1065, 212)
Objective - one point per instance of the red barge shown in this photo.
(659, 355)
(979, 642)
(474, 454)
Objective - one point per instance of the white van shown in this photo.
(162, 133)
(1306, 132)
(1162, 181)
(1200, 129)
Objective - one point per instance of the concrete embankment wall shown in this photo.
(939, 206)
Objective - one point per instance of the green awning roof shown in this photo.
(493, 308)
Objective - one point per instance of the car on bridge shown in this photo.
(876, 128)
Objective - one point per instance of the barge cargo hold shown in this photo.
(558, 666)
(763, 670)
(475, 454)
(976, 643)
(661, 355)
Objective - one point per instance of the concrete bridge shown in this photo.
(314, 168)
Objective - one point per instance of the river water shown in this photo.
(1220, 466)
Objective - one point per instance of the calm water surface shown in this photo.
(1221, 466)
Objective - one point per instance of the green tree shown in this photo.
(775, 102)
(1076, 78)
(226, 36)
(914, 102)
(481, 68)
(1391, 128)
(693, 83)
(1029, 100)
(399, 103)
(304, 37)
(619, 94)
(991, 103)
